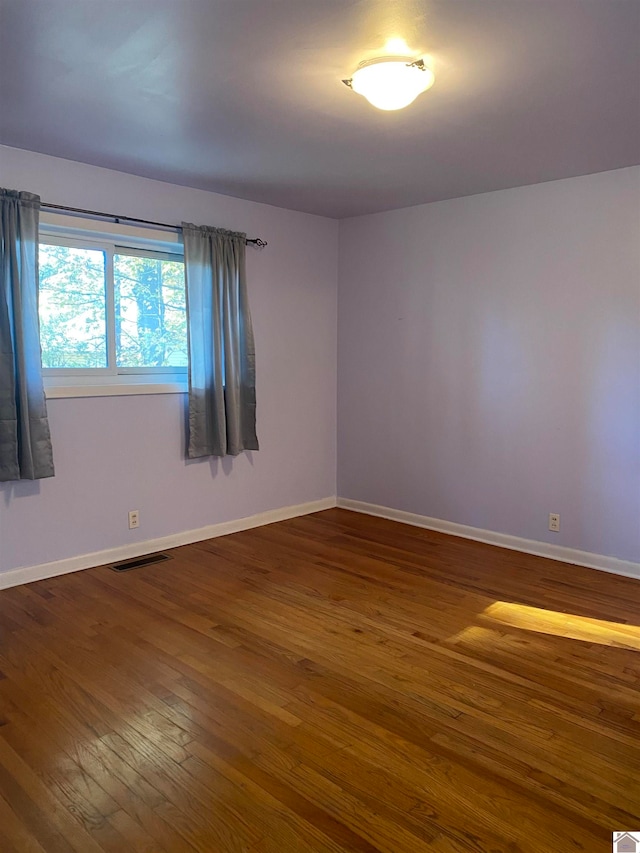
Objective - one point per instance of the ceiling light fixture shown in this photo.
(391, 82)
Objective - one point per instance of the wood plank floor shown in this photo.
(330, 683)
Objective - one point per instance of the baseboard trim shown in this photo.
(502, 540)
(28, 574)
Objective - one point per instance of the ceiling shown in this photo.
(244, 97)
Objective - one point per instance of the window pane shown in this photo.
(73, 325)
(151, 317)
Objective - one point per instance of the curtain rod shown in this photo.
(256, 241)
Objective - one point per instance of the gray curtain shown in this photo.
(222, 393)
(25, 442)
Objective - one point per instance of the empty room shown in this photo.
(319, 426)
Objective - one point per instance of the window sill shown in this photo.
(57, 391)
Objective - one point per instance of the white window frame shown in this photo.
(110, 381)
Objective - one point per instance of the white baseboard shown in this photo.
(28, 574)
(503, 540)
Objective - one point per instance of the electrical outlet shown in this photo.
(554, 521)
(134, 518)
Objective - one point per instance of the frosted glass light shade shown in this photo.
(391, 83)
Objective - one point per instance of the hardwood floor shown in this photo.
(330, 683)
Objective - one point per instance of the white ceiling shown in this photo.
(244, 96)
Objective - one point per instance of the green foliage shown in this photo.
(151, 324)
(72, 307)
(150, 316)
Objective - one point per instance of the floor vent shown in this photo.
(127, 565)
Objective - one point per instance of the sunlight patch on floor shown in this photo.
(555, 623)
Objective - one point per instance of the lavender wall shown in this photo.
(489, 371)
(489, 361)
(113, 454)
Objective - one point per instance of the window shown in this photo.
(110, 313)
(73, 307)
